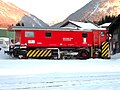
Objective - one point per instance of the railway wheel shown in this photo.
(15, 54)
(83, 54)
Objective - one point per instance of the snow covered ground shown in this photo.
(32, 74)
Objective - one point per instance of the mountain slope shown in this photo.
(95, 10)
(33, 21)
(11, 14)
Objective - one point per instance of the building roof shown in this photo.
(80, 25)
(76, 26)
(105, 25)
(3, 28)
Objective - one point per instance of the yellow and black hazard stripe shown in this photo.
(105, 49)
(44, 53)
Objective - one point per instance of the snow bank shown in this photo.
(10, 66)
(25, 67)
(116, 56)
(32, 74)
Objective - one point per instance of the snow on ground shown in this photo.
(35, 74)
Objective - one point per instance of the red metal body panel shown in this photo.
(62, 38)
(57, 39)
(99, 36)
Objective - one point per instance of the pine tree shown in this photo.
(20, 24)
(106, 19)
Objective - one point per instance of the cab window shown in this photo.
(84, 35)
(102, 33)
(48, 34)
(29, 34)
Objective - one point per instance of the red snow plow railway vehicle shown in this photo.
(51, 43)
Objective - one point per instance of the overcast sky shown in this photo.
(50, 10)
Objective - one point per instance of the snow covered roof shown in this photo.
(3, 28)
(85, 25)
(105, 25)
(80, 25)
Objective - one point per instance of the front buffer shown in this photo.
(17, 51)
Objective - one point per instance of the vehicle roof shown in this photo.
(50, 28)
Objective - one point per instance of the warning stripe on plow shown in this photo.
(105, 49)
(45, 53)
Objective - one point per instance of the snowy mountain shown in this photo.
(11, 14)
(33, 21)
(95, 10)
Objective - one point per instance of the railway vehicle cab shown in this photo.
(101, 47)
